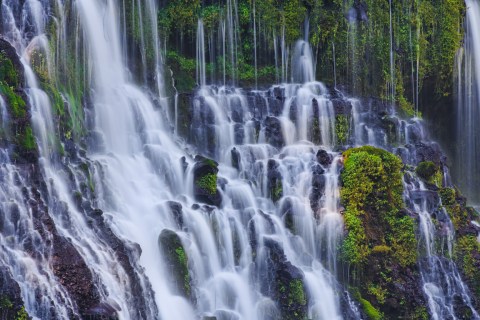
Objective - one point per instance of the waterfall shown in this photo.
(440, 277)
(110, 221)
(302, 63)
(201, 63)
(466, 167)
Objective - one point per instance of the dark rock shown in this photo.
(274, 181)
(236, 158)
(318, 188)
(285, 281)
(324, 158)
(177, 212)
(273, 132)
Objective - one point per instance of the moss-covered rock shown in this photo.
(274, 181)
(429, 172)
(380, 244)
(176, 261)
(205, 181)
(285, 284)
(19, 133)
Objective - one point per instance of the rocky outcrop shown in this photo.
(205, 181)
(274, 181)
(286, 286)
(176, 261)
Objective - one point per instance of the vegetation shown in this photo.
(208, 183)
(354, 34)
(341, 129)
(380, 237)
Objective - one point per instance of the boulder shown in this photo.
(176, 261)
(205, 181)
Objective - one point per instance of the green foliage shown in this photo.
(14, 101)
(22, 314)
(5, 302)
(182, 15)
(8, 74)
(28, 139)
(183, 69)
(467, 248)
(341, 129)
(447, 195)
(208, 183)
(378, 292)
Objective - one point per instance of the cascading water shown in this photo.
(442, 283)
(128, 208)
(467, 168)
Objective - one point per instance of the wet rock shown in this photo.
(273, 132)
(341, 106)
(286, 211)
(176, 261)
(318, 188)
(104, 309)
(205, 181)
(184, 114)
(274, 181)
(10, 295)
(238, 133)
(286, 283)
(429, 152)
(236, 158)
(177, 212)
(324, 158)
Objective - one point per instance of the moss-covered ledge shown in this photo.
(19, 132)
(380, 247)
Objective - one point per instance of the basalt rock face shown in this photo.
(286, 286)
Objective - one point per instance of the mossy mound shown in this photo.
(380, 245)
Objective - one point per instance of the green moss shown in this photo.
(341, 129)
(5, 302)
(421, 313)
(22, 314)
(183, 262)
(447, 195)
(28, 139)
(372, 196)
(8, 74)
(208, 182)
(14, 101)
(381, 249)
(426, 170)
(466, 249)
(378, 292)
(277, 191)
(296, 293)
(370, 311)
